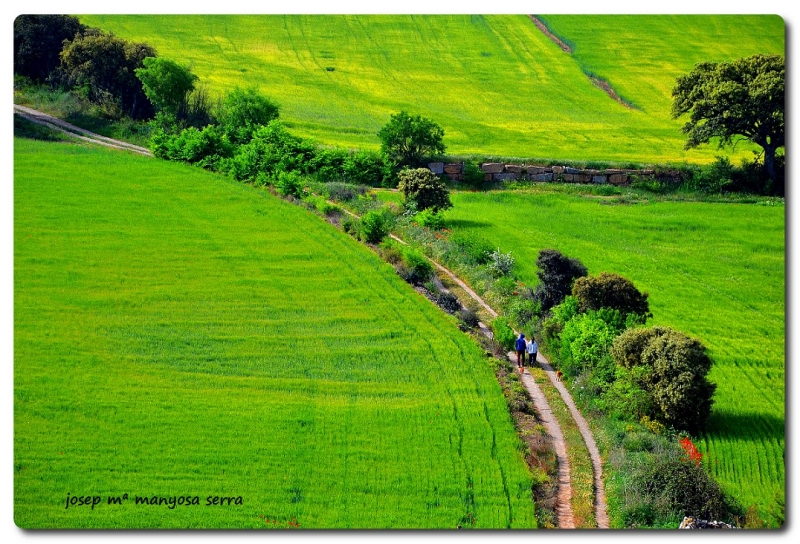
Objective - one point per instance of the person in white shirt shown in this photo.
(533, 350)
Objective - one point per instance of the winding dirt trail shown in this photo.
(563, 506)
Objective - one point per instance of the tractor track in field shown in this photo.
(564, 511)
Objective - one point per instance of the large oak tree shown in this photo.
(741, 98)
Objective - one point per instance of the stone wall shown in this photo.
(499, 171)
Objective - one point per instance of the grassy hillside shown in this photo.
(495, 83)
(177, 334)
(713, 271)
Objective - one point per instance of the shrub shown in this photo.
(448, 302)
(429, 219)
(556, 276)
(351, 226)
(585, 341)
(419, 268)
(477, 250)
(424, 189)
(289, 184)
(368, 168)
(672, 368)
(374, 227)
(243, 111)
(681, 488)
(503, 333)
(344, 192)
(712, 179)
(524, 310)
(469, 318)
(190, 145)
(390, 253)
(500, 264)
(611, 291)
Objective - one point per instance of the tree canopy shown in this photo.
(243, 112)
(424, 189)
(557, 273)
(741, 98)
(611, 291)
(166, 83)
(407, 140)
(38, 40)
(104, 65)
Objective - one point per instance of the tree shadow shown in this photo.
(747, 427)
(466, 223)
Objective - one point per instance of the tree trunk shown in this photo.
(769, 166)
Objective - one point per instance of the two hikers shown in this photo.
(522, 346)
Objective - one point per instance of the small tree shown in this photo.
(407, 139)
(557, 273)
(740, 98)
(166, 84)
(675, 374)
(611, 291)
(243, 111)
(424, 189)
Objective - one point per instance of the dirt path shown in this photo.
(54, 123)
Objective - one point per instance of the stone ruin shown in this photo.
(499, 171)
(691, 522)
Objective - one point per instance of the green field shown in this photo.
(496, 84)
(178, 334)
(714, 271)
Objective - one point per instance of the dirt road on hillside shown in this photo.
(54, 123)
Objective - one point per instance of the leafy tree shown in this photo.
(166, 83)
(407, 140)
(740, 98)
(374, 226)
(38, 40)
(557, 273)
(104, 65)
(611, 291)
(675, 377)
(243, 111)
(424, 189)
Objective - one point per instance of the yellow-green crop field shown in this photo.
(715, 271)
(496, 84)
(181, 336)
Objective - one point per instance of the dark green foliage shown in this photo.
(103, 67)
(468, 318)
(448, 302)
(740, 98)
(477, 250)
(243, 112)
(374, 226)
(367, 168)
(424, 189)
(680, 487)
(674, 374)
(38, 40)
(166, 84)
(406, 140)
(712, 179)
(524, 309)
(611, 291)
(472, 174)
(557, 273)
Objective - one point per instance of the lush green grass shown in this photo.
(496, 84)
(177, 334)
(714, 271)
